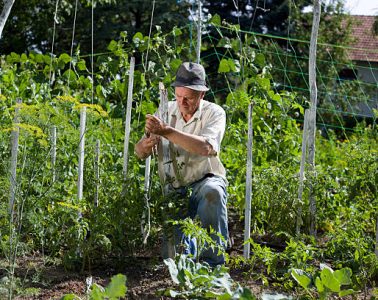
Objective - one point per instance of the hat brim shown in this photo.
(200, 88)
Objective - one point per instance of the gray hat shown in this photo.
(192, 76)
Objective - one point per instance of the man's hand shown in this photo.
(155, 125)
(145, 146)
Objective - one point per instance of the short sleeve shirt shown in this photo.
(209, 121)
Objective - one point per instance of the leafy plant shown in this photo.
(204, 236)
(114, 290)
(327, 282)
(196, 280)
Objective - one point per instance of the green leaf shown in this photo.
(177, 31)
(113, 46)
(175, 64)
(301, 277)
(24, 58)
(64, 57)
(260, 59)
(216, 20)
(117, 287)
(97, 292)
(343, 276)
(138, 37)
(329, 280)
(81, 65)
(13, 58)
(173, 293)
(69, 74)
(223, 66)
(264, 83)
(170, 263)
(39, 58)
(319, 285)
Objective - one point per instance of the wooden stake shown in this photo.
(301, 170)
(53, 152)
(128, 118)
(13, 168)
(7, 6)
(199, 31)
(248, 187)
(312, 123)
(83, 116)
(97, 171)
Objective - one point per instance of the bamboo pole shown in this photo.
(53, 152)
(312, 123)
(199, 31)
(301, 170)
(128, 119)
(83, 116)
(97, 171)
(13, 168)
(248, 187)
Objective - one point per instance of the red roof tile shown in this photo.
(365, 46)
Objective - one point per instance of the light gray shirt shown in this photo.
(209, 121)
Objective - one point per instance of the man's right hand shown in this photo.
(145, 146)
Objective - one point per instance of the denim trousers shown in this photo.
(208, 202)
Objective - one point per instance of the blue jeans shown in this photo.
(208, 201)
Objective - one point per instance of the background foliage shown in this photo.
(49, 218)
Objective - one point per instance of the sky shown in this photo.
(362, 7)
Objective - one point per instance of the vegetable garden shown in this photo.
(42, 215)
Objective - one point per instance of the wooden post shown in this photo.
(168, 248)
(97, 171)
(13, 168)
(312, 123)
(7, 6)
(81, 153)
(128, 118)
(199, 31)
(53, 152)
(163, 115)
(248, 187)
(301, 170)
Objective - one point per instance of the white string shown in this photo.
(53, 40)
(72, 41)
(149, 34)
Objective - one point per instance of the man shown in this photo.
(193, 135)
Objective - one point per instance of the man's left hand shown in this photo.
(155, 125)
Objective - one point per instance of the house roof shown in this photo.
(365, 45)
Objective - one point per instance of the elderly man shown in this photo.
(195, 130)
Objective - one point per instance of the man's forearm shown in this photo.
(189, 142)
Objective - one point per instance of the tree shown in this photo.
(31, 24)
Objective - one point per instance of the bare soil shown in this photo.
(146, 273)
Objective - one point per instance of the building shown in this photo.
(364, 54)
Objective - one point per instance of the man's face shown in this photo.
(188, 100)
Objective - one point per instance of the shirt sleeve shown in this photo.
(214, 124)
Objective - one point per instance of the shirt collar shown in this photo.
(176, 112)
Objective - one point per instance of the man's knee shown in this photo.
(214, 195)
